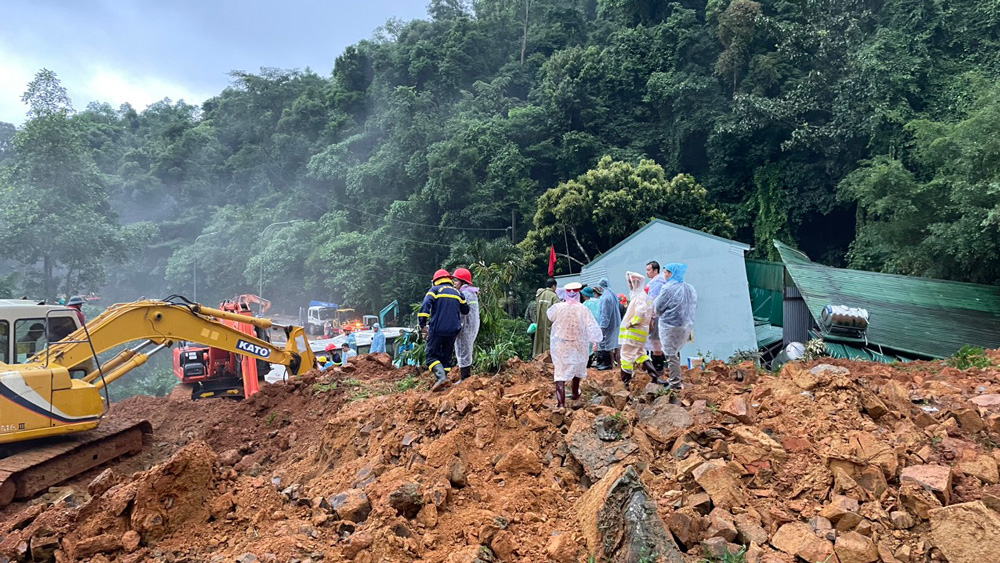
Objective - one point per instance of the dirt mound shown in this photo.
(834, 461)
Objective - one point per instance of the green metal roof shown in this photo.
(910, 315)
(849, 352)
(767, 334)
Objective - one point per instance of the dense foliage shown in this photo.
(860, 130)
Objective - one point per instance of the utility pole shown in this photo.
(260, 280)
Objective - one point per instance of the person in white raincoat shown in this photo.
(470, 323)
(574, 329)
(675, 306)
(634, 330)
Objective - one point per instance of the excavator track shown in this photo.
(40, 464)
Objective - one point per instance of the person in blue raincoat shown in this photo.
(675, 306)
(378, 340)
(609, 319)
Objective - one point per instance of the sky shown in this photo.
(141, 51)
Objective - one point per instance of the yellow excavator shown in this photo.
(51, 409)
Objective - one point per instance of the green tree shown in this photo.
(603, 206)
(55, 214)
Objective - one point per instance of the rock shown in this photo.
(872, 479)
(682, 447)
(934, 478)
(853, 547)
(104, 543)
(919, 500)
(822, 527)
(520, 461)
(561, 548)
(230, 458)
(428, 515)
(247, 558)
(42, 548)
(360, 541)
(291, 492)
(749, 530)
(688, 526)
(986, 401)
(664, 421)
(717, 549)
(757, 438)
(352, 506)
(966, 533)
(130, 541)
(982, 467)
(970, 421)
(720, 484)
(738, 408)
(901, 520)
(873, 405)
(406, 500)
(701, 502)
(319, 503)
(875, 452)
(457, 474)
(102, 483)
(620, 522)
(222, 505)
(721, 525)
(848, 521)
(798, 539)
(595, 455)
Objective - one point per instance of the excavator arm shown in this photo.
(163, 323)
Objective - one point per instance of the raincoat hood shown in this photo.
(604, 283)
(376, 327)
(636, 283)
(677, 271)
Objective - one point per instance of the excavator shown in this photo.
(52, 424)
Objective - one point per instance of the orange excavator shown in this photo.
(213, 372)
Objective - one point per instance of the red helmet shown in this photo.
(464, 275)
(622, 299)
(441, 274)
(330, 347)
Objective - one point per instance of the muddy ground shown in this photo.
(826, 461)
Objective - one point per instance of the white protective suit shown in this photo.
(675, 306)
(470, 327)
(635, 324)
(574, 329)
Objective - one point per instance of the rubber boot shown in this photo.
(626, 377)
(659, 360)
(651, 370)
(560, 394)
(442, 378)
(466, 372)
(576, 389)
(603, 361)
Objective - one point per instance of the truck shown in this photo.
(52, 414)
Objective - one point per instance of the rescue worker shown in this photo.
(346, 353)
(591, 300)
(675, 306)
(378, 340)
(610, 319)
(545, 297)
(656, 281)
(76, 303)
(352, 340)
(573, 331)
(441, 318)
(635, 330)
(470, 322)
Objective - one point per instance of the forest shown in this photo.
(866, 133)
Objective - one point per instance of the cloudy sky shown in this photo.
(141, 51)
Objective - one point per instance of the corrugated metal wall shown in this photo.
(797, 319)
(767, 284)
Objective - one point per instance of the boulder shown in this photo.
(720, 484)
(561, 548)
(798, 539)
(457, 474)
(664, 421)
(102, 483)
(620, 522)
(520, 461)
(982, 467)
(750, 530)
(352, 505)
(966, 533)
(407, 500)
(739, 408)
(918, 500)
(853, 547)
(986, 401)
(688, 526)
(595, 455)
(934, 478)
(721, 525)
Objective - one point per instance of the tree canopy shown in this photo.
(860, 131)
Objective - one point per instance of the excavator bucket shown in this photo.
(298, 344)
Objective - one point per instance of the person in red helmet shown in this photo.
(470, 323)
(441, 319)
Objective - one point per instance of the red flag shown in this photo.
(552, 260)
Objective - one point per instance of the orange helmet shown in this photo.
(622, 299)
(464, 275)
(441, 274)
